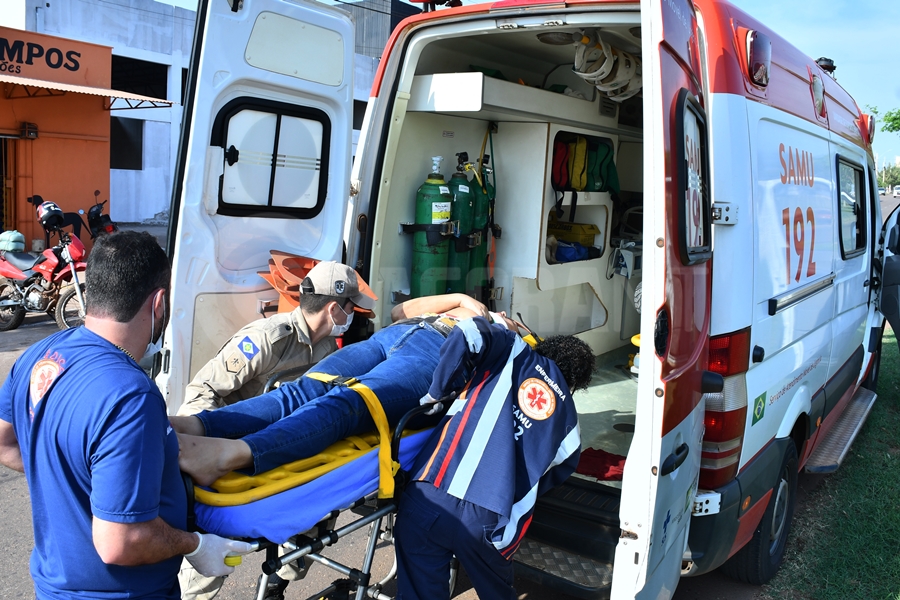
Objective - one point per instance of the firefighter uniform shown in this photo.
(244, 364)
(512, 435)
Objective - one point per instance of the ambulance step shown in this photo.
(831, 451)
(563, 571)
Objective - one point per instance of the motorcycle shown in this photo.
(48, 282)
(99, 223)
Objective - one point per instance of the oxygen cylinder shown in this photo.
(429, 262)
(462, 212)
(478, 269)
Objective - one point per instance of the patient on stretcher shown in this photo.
(303, 417)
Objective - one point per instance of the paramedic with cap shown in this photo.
(89, 429)
(511, 436)
(331, 294)
(303, 417)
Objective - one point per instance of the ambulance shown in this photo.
(724, 254)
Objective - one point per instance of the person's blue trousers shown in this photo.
(301, 418)
(432, 527)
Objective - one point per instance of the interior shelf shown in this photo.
(465, 94)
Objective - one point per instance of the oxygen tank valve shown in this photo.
(462, 160)
(436, 163)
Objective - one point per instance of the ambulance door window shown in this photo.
(694, 209)
(275, 159)
(851, 209)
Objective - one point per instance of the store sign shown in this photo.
(38, 56)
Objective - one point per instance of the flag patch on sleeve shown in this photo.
(248, 348)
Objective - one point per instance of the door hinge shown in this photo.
(706, 503)
(354, 187)
(629, 535)
(724, 213)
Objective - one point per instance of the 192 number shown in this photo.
(795, 231)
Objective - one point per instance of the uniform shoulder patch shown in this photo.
(235, 362)
(248, 348)
(43, 374)
(536, 399)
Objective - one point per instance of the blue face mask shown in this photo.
(154, 347)
(336, 329)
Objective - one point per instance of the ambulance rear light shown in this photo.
(725, 419)
(729, 354)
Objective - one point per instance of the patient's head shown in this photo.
(573, 357)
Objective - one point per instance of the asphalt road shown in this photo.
(17, 539)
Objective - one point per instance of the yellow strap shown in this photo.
(386, 467)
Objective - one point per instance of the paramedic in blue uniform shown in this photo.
(303, 417)
(510, 436)
(89, 429)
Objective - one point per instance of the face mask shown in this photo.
(153, 347)
(336, 329)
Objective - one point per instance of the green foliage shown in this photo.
(843, 543)
(890, 122)
(889, 176)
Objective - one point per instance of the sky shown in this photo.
(862, 37)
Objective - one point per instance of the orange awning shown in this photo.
(23, 87)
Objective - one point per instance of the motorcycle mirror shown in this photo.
(80, 211)
(96, 193)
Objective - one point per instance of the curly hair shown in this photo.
(573, 357)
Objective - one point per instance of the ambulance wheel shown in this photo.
(68, 310)
(871, 380)
(759, 560)
(10, 316)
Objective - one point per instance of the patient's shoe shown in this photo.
(275, 588)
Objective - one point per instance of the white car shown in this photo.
(897, 191)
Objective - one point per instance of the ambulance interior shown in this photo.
(454, 83)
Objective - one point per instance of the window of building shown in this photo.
(851, 210)
(140, 77)
(126, 144)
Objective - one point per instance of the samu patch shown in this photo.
(536, 399)
(248, 348)
(43, 374)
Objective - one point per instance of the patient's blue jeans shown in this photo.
(301, 418)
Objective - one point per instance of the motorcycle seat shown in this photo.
(22, 260)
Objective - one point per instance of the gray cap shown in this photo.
(330, 278)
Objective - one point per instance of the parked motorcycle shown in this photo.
(99, 223)
(45, 283)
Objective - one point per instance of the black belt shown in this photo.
(443, 325)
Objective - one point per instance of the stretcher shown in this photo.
(363, 474)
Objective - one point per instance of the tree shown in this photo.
(890, 123)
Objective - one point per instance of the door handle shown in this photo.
(674, 460)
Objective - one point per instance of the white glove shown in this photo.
(209, 556)
(437, 406)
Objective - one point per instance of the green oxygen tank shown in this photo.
(430, 249)
(462, 212)
(478, 269)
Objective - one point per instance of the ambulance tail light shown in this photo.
(729, 354)
(725, 420)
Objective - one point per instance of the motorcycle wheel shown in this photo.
(10, 317)
(68, 311)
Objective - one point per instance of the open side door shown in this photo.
(888, 294)
(263, 165)
(660, 479)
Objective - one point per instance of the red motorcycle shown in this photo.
(47, 283)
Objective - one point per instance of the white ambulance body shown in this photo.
(742, 246)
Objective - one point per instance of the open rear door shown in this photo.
(660, 478)
(263, 165)
(888, 299)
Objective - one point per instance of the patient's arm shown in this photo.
(458, 305)
(187, 424)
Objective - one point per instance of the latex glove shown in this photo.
(209, 556)
(437, 405)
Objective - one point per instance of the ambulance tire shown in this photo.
(758, 561)
(871, 380)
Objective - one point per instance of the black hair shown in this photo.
(315, 303)
(123, 269)
(573, 357)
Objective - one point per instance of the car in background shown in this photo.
(897, 191)
(881, 191)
